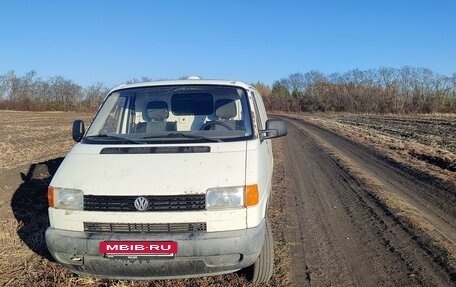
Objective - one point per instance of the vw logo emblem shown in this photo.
(141, 203)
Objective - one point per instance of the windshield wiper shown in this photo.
(182, 135)
(113, 137)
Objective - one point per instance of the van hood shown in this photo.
(152, 170)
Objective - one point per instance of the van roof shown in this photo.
(183, 82)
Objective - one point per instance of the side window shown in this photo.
(113, 120)
(262, 109)
(257, 113)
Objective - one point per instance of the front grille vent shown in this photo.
(144, 227)
(156, 203)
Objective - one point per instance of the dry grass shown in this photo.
(34, 137)
(277, 214)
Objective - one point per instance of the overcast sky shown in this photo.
(114, 41)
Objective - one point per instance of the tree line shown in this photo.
(30, 92)
(382, 90)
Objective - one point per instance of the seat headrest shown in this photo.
(225, 109)
(157, 110)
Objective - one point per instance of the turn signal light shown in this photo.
(252, 196)
(50, 195)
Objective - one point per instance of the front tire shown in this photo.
(261, 271)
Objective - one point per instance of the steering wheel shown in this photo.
(215, 123)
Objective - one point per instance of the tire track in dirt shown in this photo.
(341, 235)
(436, 206)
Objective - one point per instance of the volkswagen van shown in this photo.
(172, 179)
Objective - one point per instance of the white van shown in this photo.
(171, 180)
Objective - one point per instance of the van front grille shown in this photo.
(144, 227)
(155, 203)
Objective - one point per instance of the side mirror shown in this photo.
(274, 128)
(78, 130)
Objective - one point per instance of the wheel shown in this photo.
(214, 123)
(261, 270)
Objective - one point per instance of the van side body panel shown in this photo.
(259, 170)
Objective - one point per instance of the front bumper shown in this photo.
(199, 254)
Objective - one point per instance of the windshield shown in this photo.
(188, 113)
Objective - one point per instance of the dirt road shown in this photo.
(341, 235)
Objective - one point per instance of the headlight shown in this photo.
(65, 198)
(225, 197)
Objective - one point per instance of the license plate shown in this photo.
(138, 248)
